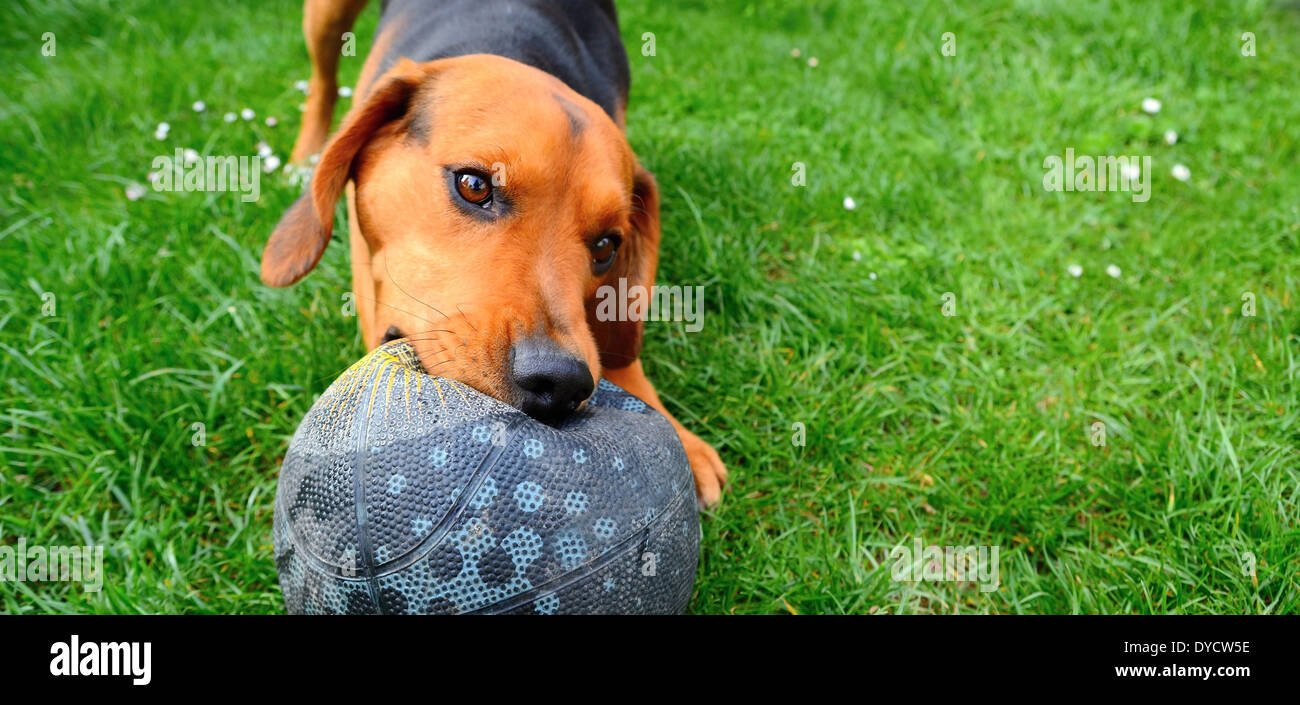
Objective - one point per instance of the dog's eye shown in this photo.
(603, 251)
(474, 188)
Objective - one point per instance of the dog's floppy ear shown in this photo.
(620, 341)
(300, 239)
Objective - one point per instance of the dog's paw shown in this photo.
(706, 465)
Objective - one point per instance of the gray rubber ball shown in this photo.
(405, 493)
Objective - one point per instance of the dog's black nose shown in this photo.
(551, 381)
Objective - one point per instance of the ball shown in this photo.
(406, 493)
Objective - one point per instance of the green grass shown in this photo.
(964, 430)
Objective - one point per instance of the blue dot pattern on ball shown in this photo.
(529, 496)
(575, 503)
(405, 493)
(487, 494)
(604, 528)
(547, 604)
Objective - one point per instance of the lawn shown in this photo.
(126, 322)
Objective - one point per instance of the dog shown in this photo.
(491, 191)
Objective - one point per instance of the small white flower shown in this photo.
(857, 256)
(849, 203)
(345, 91)
(873, 276)
(247, 114)
(1130, 172)
(1150, 106)
(134, 191)
(1181, 172)
(199, 106)
(263, 150)
(154, 176)
(1113, 271)
(230, 117)
(271, 164)
(301, 86)
(1075, 270)
(812, 61)
(1170, 137)
(160, 134)
(191, 156)
(795, 52)
(163, 127)
(272, 122)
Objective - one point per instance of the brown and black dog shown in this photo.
(490, 192)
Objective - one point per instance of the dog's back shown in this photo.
(576, 41)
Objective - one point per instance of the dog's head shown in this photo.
(494, 201)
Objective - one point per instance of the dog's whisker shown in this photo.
(414, 334)
(404, 291)
(465, 316)
(435, 339)
(400, 310)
